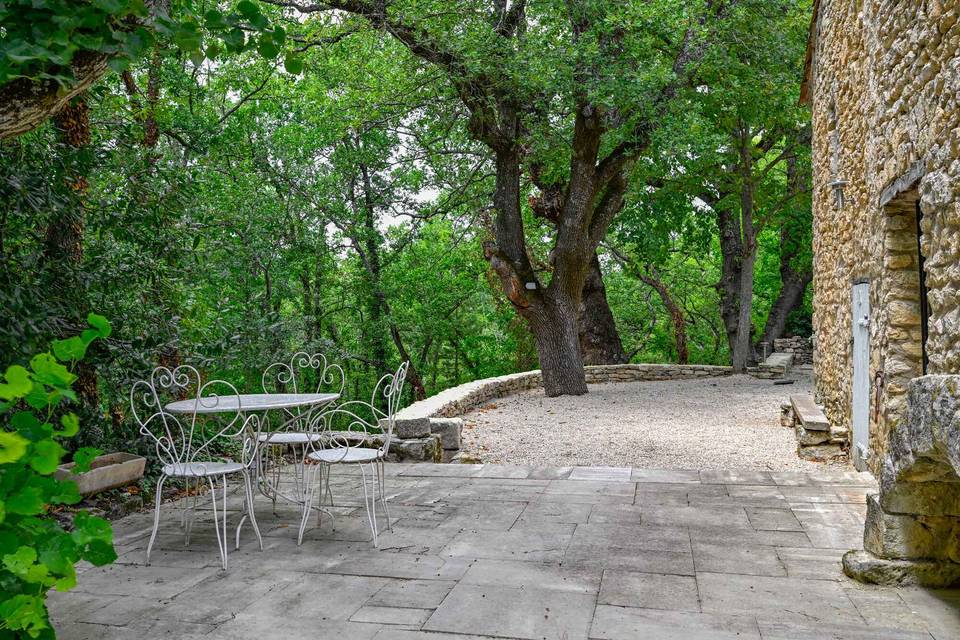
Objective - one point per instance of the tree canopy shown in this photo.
(478, 187)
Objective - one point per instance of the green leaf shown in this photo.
(267, 48)
(87, 529)
(214, 20)
(28, 426)
(66, 492)
(68, 579)
(18, 383)
(83, 457)
(25, 613)
(23, 564)
(69, 350)
(101, 324)
(46, 456)
(3, 511)
(71, 425)
(247, 9)
(48, 371)
(234, 39)
(119, 64)
(26, 502)
(293, 64)
(24, 421)
(13, 446)
(58, 552)
(188, 38)
(38, 398)
(100, 552)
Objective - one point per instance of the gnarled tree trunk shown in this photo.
(599, 339)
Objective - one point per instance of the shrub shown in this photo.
(36, 553)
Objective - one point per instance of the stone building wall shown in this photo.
(884, 81)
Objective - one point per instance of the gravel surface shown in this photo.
(712, 423)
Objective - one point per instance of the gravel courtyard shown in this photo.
(713, 423)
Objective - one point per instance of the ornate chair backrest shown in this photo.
(304, 373)
(178, 436)
(391, 387)
(360, 416)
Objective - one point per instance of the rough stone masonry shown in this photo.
(883, 80)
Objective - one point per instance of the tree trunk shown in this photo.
(742, 353)
(791, 296)
(554, 328)
(599, 340)
(26, 104)
(731, 250)
(63, 244)
(793, 281)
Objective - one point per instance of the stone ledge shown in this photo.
(462, 399)
(866, 567)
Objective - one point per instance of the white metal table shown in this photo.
(295, 430)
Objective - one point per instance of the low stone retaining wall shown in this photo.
(432, 427)
(801, 348)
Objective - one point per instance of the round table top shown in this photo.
(250, 402)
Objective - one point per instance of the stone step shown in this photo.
(780, 360)
(808, 413)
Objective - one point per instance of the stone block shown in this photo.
(449, 430)
(416, 450)
(807, 437)
(820, 452)
(412, 428)
(866, 567)
(922, 498)
(464, 457)
(808, 413)
(786, 415)
(908, 537)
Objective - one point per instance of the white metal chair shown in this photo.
(345, 429)
(305, 373)
(184, 444)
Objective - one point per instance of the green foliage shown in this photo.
(245, 232)
(36, 553)
(41, 38)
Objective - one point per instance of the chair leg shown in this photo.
(309, 484)
(323, 471)
(221, 542)
(382, 481)
(248, 508)
(327, 483)
(191, 511)
(370, 501)
(156, 515)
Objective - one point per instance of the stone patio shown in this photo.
(515, 552)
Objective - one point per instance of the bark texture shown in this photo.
(26, 104)
(599, 340)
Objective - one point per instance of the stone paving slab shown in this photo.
(512, 552)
